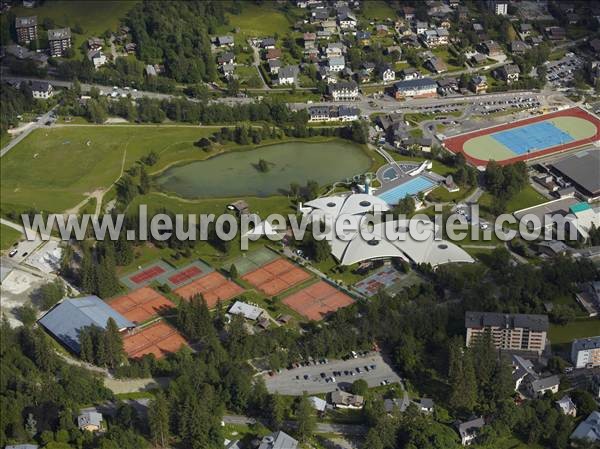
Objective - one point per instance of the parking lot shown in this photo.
(561, 72)
(332, 375)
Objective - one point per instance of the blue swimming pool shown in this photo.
(409, 188)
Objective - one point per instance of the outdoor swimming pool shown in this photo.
(409, 188)
(235, 173)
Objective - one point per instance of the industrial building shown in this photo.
(581, 169)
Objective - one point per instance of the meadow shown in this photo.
(8, 236)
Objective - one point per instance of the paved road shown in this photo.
(293, 382)
(35, 125)
(346, 429)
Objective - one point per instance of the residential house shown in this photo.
(341, 399)
(585, 352)
(363, 37)
(335, 49)
(589, 429)
(469, 430)
(509, 73)
(312, 55)
(508, 331)
(59, 40)
(386, 73)
(447, 85)
(426, 405)
(150, 70)
(421, 27)
(268, 43)
(278, 440)
(228, 70)
(556, 33)
(436, 65)
(394, 50)
(248, 311)
(491, 48)
(344, 91)
(287, 75)
(274, 66)
(381, 30)
(309, 40)
(226, 58)
(319, 114)
(418, 88)
(41, 90)
(566, 406)
(453, 3)
(478, 28)
(435, 38)
(336, 64)
(318, 404)
(347, 21)
(95, 43)
(410, 73)
(589, 297)
(319, 15)
(478, 59)
(519, 47)
(525, 29)
(368, 66)
(273, 53)
(396, 404)
(347, 113)
(90, 421)
(408, 12)
(97, 57)
(130, 48)
(538, 387)
(329, 25)
(26, 28)
(224, 41)
(325, 35)
(478, 84)
(522, 369)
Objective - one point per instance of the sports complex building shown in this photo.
(528, 139)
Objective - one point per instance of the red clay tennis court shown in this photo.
(185, 275)
(141, 304)
(317, 300)
(147, 274)
(276, 276)
(159, 339)
(213, 287)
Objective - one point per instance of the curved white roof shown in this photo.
(393, 239)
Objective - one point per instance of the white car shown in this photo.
(484, 226)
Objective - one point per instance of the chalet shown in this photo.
(268, 43)
(421, 27)
(41, 89)
(418, 88)
(386, 73)
(319, 15)
(478, 28)
(240, 207)
(381, 30)
(95, 43)
(150, 70)
(394, 50)
(509, 73)
(491, 48)
(469, 430)
(130, 48)
(408, 12)
(478, 84)
(329, 25)
(556, 33)
(309, 40)
(363, 76)
(347, 21)
(326, 35)
(436, 65)
(274, 66)
(336, 64)
(447, 86)
(396, 404)
(319, 114)
(97, 58)
(341, 399)
(363, 37)
(287, 75)
(368, 66)
(90, 421)
(278, 440)
(273, 53)
(228, 70)
(478, 59)
(538, 387)
(226, 58)
(224, 41)
(435, 38)
(566, 406)
(335, 49)
(344, 91)
(518, 47)
(426, 405)
(522, 369)
(410, 73)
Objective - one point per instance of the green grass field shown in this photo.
(487, 148)
(95, 17)
(527, 197)
(52, 169)
(579, 328)
(377, 10)
(8, 236)
(258, 21)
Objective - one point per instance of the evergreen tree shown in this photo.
(305, 418)
(275, 411)
(113, 344)
(158, 420)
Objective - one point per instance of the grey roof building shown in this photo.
(582, 170)
(469, 430)
(278, 440)
(400, 404)
(66, 319)
(588, 429)
(540, 386)
(89, 419)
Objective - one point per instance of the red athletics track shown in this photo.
(455, 144)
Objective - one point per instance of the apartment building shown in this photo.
(418, 88)
(344, 91)
(59, 40)
(26, 28)
(585, 352)
(514, 332)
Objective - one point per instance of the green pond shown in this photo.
(236, 173)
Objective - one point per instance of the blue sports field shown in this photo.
(409, 188)
(534, 137)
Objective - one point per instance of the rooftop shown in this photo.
(582, 168)
(59, 34)
(491, 319)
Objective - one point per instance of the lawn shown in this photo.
(95, 17)
(527, 197)
(377, 10)
(52, 169)
(8, 236)
(579, 328)
(258, 21)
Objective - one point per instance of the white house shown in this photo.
(90, 421)
(539, 387)
(41, 89)
(97, 57)
(566, 406)
(469, 430)
(387, 74)
(344, 91)
(336, 64)
(341, 399)
(287, 75)
(347, 21)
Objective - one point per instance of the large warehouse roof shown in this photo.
(67, 318)
(582, 168)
